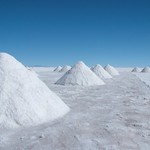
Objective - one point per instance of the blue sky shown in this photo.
(59, 32)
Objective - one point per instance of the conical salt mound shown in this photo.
(136, 69)
(80, 74)
(24, 99)
(32, 71)
(57, 69)
(65, 69)
(111, 70)
(100, 72)
(92, 67)
(146, 70)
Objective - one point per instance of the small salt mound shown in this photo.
(92, 67)
(146, 70)
(32, 71)
(24, 99)
(80, 74)
(100, 72)
(136, 69)
(111, 70)
(57, 69)
(65, 69)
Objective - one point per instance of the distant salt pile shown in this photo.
(146, 70)
(111, 70)
(24, 99)
(136, 69)
(32, 71)
(92, 67)
(80, 74)
(101, 72)
(57, 69)
(65, 68)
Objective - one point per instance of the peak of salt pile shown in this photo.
(65, 69)
(146, 70)
(24, 99)
(111, 70)
(136, 69)
(80, 74)
(101, 72)
(57, 69)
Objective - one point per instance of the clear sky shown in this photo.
(59, 32)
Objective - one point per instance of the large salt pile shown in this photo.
(24, 99)
(101, 72)
(80, 74)
(146, 70)
(111, 70)
(136, 69)
(57, 68)
(65, 68)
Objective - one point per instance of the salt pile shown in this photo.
(136, 69)
(65, 68)
(80, 74)
(111, 70)
(146, 70)
(57, 69)
(100, 72)
(32, 71)
(24, 99)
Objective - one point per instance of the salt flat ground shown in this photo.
(115, 116)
